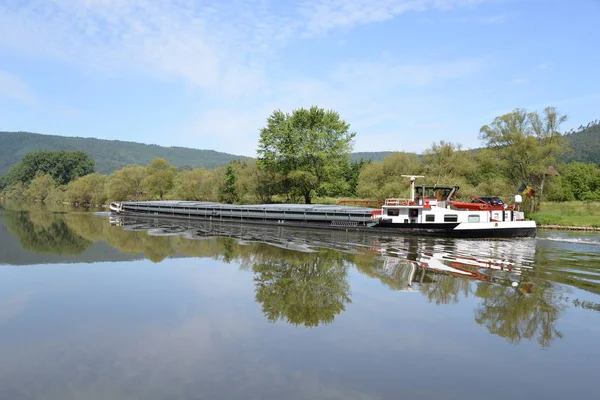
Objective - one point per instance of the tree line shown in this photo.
(304, 156)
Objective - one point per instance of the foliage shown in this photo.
(444, 161)
(585, 142)
(310, 148)
(89, 189)
(382, 180)
(15, 191)
(58, 194)
(63, 166)
(197, 184)
(159, 178)
(525, 144)
(127, 184)
(583, 181)
(40, 187)
(352, 175)
(229, 192)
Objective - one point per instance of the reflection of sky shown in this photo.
(190, 328)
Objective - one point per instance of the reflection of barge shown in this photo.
(431, 213)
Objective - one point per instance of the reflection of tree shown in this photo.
(520, 313)
(49, 235)
(445, 289)
(307, 291)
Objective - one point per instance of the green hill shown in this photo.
(585, 142)
(370, 155)
(109, 155)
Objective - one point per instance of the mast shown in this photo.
(412, 185)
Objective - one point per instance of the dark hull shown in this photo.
(434, 230)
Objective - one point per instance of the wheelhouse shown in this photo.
(435, 194)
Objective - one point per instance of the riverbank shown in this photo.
(569, 228)
(571, 215)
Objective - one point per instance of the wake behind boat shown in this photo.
(431, 211)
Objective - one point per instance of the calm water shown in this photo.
(95, 307)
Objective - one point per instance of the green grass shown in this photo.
(569, 213)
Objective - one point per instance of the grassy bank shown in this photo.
(569, 213)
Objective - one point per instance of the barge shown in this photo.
(431, 211)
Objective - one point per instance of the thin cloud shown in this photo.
(325, 15)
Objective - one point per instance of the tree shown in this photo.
(127, 183)
(40, 187)
(64, 166)
(89, 189)
(229, 192)
(310, 148)
(198, 184)
(380, 180)
(160, 177)
(445, 162)
(352, 174)
(526, 144)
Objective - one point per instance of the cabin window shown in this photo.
(393, 212)
(430, 218)
(451, 218)
(414, 212)
(473, 218)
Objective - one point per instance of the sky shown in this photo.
(207, 74)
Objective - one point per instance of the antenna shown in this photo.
(412, 184)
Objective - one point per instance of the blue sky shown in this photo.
(403, 73)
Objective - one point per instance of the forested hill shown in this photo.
(370, 155)
(109, 155)
(585, 142)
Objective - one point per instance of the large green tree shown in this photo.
(380, 180)
(526, 143)
(310, 148)
(198, 184)
(127, 184)
(64, 166)
(160, 177)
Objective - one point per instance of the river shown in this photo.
(100, 307)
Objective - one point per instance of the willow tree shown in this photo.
(127, 183)
(526, 144)
(380, 180)
(160, 177)
(309, 148)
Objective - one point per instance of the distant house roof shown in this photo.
(551, 171)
